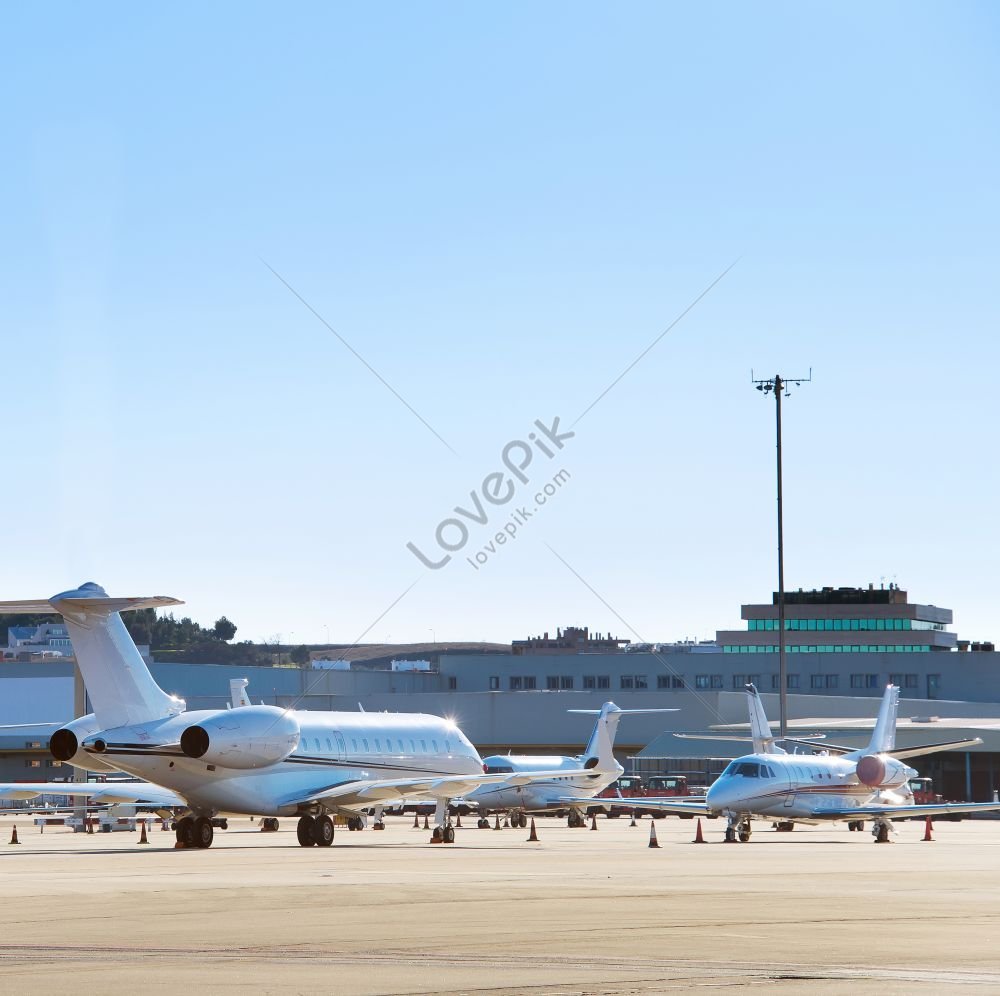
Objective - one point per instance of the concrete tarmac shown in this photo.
(818, 910)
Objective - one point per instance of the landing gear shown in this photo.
(269, 824)
(184, 831)
(574, 820)
(483, 823)
(378, 825)
(204, 832)
(355, 823)
(304, 831)
(784, 826)
(191, 832)
(739, 827)
(855, 824)
(323, 831)
(880, 831)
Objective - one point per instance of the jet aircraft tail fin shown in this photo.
(600, 750)
(884, 735)
(760, 729)
(118, 682)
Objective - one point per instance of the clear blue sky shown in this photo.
(499, 208)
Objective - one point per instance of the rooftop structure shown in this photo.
(571, 640)
(843, 620)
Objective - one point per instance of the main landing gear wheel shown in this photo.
(184, 831)
(355, 823)
(574, 820)
(204, 832)
(323, 831)
(881, 832)
(448, 835)
(304, 831)
(483, 823)
(522, 821)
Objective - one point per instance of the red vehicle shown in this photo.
(663, 786)
(634, 787)
(627, 787)
(923, 791)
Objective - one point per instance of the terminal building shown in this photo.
(843, 646)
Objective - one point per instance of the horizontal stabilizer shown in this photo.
(620, 712)
(36, 607)
(829, 748)
(934, 748)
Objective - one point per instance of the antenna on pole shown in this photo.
(779, 385)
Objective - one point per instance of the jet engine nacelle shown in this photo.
(879, 771)
(248, 737)
(64, 744)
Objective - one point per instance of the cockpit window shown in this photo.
(748, 769)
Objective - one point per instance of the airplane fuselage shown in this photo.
(800, 786)
(332, 748)
(540, 796)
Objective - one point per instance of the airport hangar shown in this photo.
(844, 645)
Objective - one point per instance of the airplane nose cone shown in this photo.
(719, 796)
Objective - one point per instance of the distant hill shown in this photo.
(378, 654)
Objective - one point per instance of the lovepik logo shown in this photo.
(498, 488)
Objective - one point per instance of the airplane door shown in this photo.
(784, 777)
(339, 746)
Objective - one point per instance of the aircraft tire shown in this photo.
(304, 831)
(523, 821)
(323, 831)
(448, 835)
(185, 831)
(204, 832)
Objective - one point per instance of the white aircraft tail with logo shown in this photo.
(121, 689)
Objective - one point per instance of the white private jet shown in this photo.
(841, 783)
(251, 760)
(578, 781)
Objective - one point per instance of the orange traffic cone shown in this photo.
(458, 820)
(698, 839)
(416, 821)
(533, 835)
(652, 835)
(13, 836)
(143, 839)
(593, 821)
(927, 830)
(427, 825)
(632, 824)
(497, 827)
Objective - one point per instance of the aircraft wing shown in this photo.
(929, 809)
(373, 791)
(99, 793)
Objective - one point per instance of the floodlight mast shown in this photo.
(777, 384)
